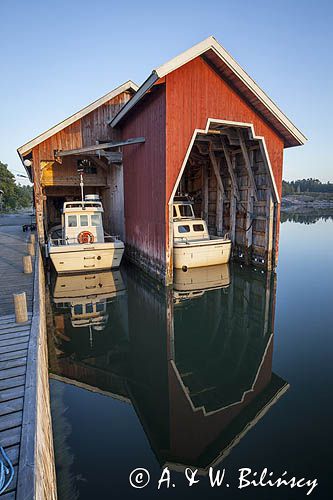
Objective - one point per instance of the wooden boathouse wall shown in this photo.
(55, 178)
(167, 117)
(145, 184)
(195, 92)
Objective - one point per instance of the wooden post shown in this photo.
(205, 192)
(269, 230)
(233, 209)
(219, 208)
(20, 304)
(32, 238)
(247, 163)
(31, 249)
(27, 265)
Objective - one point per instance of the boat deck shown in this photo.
(14, 340)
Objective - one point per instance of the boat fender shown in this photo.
(85, 237)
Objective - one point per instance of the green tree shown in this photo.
(14, 195)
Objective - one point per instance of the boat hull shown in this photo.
(84, 258)
(200, 254)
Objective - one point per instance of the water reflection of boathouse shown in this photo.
(198, 371)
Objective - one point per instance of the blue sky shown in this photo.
(58, 56)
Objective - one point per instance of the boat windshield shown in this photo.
(186, 210)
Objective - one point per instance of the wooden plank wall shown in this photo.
(49, 173)
(194, 93)
(246, 219)
(145, 183)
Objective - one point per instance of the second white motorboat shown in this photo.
(193, 246)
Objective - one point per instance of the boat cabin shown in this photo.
(82, 217)
(186, 226)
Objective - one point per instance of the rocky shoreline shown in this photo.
(306, 203)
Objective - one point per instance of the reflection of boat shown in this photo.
(193, 246)
(83, 245)
(195, 282)
(87, 296)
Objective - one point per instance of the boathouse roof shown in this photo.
(226, 66)
(129, 85)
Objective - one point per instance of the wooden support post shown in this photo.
(31, 249)
(220, 193)
(20, 304)
(205, 193)
(269, 231)
(249, 218)
(27, 264)
(216, 169)
(233, 209)
(32, 238)
(219, 209)
(230, 169)
(247, 163)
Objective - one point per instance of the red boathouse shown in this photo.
(200, 125)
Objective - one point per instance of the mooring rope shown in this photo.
(6, 468)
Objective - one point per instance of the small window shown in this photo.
(72, 221)
(78, 309)
(90, 170)
(186, 210)
(83, 220)
(198, 227)
(183, 229)
(95, 220)
(100, 307)
(174, 212)
(89, 309)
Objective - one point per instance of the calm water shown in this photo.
(231, 369)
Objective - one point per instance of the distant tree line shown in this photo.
(306, 186)
(12, 195)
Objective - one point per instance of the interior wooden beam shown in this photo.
(233, 209)
(98, 147)
(204, 193)
(230, 169)
(219, 208)
(216, 169)
(247, 163)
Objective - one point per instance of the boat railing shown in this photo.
(74, 241)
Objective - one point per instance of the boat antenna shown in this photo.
(81, 186)
(80, 169)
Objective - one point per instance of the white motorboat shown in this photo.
(87, 295)
(80, 243)
(193, 246)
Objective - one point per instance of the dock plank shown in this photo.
(13, 363)
(12, 372)
(12, 382)
(7, 356)
(12, 341)
(11, 393)
(11, 420)
(14, 347)
(10, 437)
(11, 406)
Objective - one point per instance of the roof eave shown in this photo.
(129, 85)
(197, 50)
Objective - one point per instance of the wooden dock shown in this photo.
(20, 365)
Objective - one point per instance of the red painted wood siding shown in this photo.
(144, 177)
(194, 93)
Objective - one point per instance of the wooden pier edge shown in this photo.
(36, 472)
